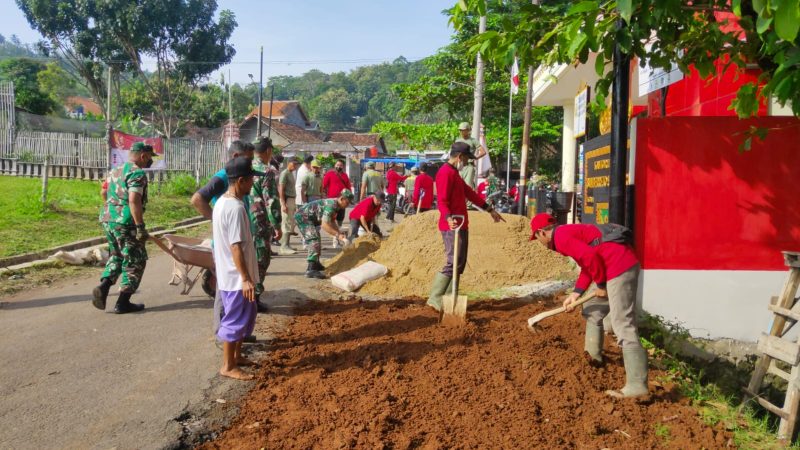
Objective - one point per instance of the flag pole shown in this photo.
(508, 150)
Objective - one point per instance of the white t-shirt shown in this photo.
(230, 225)
(301, 175)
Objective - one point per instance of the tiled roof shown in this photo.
(280, 108)
(357, 139)
(89, 105)
(293, 133)
(320, 147)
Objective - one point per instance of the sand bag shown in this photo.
(355, 278)
(82, 256)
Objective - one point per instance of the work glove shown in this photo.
(141, 233)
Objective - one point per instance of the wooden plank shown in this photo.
(790, 406)
(787, 313)
(772, 408)
(773, 369)
(791, 259)
(786, 351)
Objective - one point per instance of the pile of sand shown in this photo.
(500, 255)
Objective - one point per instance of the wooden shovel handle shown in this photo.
(543, 315)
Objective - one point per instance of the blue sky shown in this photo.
(350, 33)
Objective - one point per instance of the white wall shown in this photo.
(712, 304)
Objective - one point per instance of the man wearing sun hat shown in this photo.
(606, 258)
(468, 172)
(126, 200)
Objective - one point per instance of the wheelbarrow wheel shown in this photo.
(209, 283)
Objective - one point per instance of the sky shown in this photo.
(300, 35)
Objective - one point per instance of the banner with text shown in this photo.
(121, 143)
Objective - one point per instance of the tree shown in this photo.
(181, 36)
(56, 82)
(657, 32)
(23, 73)
(334, 109)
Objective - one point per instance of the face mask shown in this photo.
(339, 169)
(149, 163)
(460, 165)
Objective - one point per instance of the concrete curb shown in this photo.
(86, 243)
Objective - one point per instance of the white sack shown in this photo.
(353, 279)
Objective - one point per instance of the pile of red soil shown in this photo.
(386, 375)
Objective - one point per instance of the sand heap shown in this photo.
(500, 255)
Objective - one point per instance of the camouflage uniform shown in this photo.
(262, 218)
(492, 185)
(312, 215)
(127, 255)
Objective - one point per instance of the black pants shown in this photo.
(391, 200)
(356, 224)
(449, 242)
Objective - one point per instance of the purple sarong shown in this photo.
(239, 317)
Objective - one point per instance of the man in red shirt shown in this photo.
(393, 179)
(452, 194)
(363, 215)
(423, 184)
(332, 184)
(605, 258)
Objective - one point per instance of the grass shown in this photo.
(72, 210)
(714, 391)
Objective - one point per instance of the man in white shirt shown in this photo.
(304, 170)
(236, 267)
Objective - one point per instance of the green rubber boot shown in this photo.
(440, 284)
(635, 360)
(593, 344)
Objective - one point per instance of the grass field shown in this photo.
(71, 213)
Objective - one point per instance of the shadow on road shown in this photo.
(42, 302)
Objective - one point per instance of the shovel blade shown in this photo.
(457, 314)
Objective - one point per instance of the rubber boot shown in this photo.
(593, 344)
(318, 266)
(440, 284)
(125, 306)
(635, 360)
(285, 249)
(312, 272)
(100, 294)
(261, 306)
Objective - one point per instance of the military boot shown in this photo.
(439, 287)
(593, 344)
(318, 266)
(125, 306)
(635, 360)
(100, 294)
(312, 272)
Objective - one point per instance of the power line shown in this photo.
(272, 62)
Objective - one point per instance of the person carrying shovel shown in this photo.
(452, 194)
(606, 258)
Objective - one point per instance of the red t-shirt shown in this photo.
(333, 183)
(392, 180)
(366, 208)
(452, 194)
(481, 189)
(598, 263)
(423, 182)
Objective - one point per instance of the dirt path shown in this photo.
(75, 377)
(385, 375)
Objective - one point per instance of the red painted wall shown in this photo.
(701, 204)
(696, 96)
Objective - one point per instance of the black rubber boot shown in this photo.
(125, 306)
(318, 266)
(100, 294)
(261, 306)
(312, 272)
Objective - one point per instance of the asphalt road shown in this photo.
(75, 377)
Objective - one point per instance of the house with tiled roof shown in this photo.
(361, 141)
(78, 107)
(289, 124)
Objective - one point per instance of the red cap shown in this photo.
(540, 221)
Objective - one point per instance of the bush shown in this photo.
(180, 186)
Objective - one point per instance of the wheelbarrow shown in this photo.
(189, 254)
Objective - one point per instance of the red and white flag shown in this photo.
(515, 77)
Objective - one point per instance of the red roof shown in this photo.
(280, 108)
(356, 139)
(292, 133)
(89, 105)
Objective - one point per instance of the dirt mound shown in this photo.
(353, 254)
(386, 375)
(500, 254)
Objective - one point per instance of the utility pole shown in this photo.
(271, 100)
(619, 133)
(108, 97)
(478, 105)
(230, 98)
(260, 83)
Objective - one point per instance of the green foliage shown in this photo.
(71, 214)
(23, 73)
(180, 185)
(679, 32)
(399, 136)
(57, 83)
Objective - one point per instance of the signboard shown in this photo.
(652, 79)
(581, 103)
(596, 186)
(121, 144)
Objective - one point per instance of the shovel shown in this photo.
(454, 310)
(533, 321)
(419, 202)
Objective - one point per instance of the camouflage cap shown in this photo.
(139, 147)
(348, 194)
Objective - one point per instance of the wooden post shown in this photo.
(44, 183)
(197, 156)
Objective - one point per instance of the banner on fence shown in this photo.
(121, 144)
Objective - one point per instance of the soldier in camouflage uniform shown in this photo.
(320, 213)
(263, 221)
(492, 184)
(123, 217)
